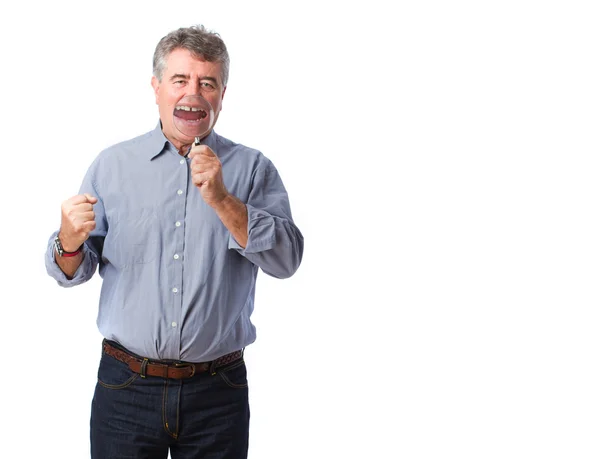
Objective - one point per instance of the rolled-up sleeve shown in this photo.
(275, 244)
(84, 272)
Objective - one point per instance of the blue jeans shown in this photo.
(205, 416)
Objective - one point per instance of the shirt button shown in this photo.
(179, 192)
(182, 161)
(177, 224)
(175, 290)
(173, 324)
(176, 256)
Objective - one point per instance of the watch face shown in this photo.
(58, 246)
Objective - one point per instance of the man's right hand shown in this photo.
(77, 221)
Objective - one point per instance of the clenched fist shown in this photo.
(207, 175)
(77, 221)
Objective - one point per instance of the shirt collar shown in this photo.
(158, 143)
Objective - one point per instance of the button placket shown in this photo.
(179, 234)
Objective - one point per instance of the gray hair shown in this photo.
(202, 43)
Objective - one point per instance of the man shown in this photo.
(178, 231)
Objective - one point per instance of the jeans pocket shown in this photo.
(234, 375)
(113, 374)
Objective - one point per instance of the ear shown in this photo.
(155, 85)
(223, 95)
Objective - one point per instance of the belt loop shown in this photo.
(143, 369)
(212, 367)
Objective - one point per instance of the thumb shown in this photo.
(91, 199)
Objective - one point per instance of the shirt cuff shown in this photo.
(82, 273)
(261, 232)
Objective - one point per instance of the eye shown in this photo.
(207, 86)
(179, 82)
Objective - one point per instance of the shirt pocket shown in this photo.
(132, 237)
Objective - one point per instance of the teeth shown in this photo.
(188, 109)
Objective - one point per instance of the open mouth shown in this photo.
(188, 113)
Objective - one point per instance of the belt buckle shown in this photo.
(186, 364)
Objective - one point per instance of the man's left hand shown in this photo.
(207, 175)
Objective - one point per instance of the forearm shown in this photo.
(69, 265)
(234, 215)
(70, 271)
(262, 229)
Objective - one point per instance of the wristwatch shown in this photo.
(61, 252)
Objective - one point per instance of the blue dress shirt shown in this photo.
(176, 284)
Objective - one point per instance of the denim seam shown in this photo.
(118, 386)
(164, 410)
(228, 381)
(178, 405)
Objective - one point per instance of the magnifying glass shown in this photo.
(193, 116)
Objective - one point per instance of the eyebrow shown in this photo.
(181, 76)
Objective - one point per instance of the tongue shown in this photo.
(190, 116)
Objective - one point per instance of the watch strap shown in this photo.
(72, 254)
(62, 253)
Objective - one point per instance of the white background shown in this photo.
(442, 162)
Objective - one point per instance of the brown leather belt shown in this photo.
(172, 370)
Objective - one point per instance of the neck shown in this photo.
(184, 149)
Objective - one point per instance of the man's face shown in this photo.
(186, 75)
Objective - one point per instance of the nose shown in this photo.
(193, 88)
